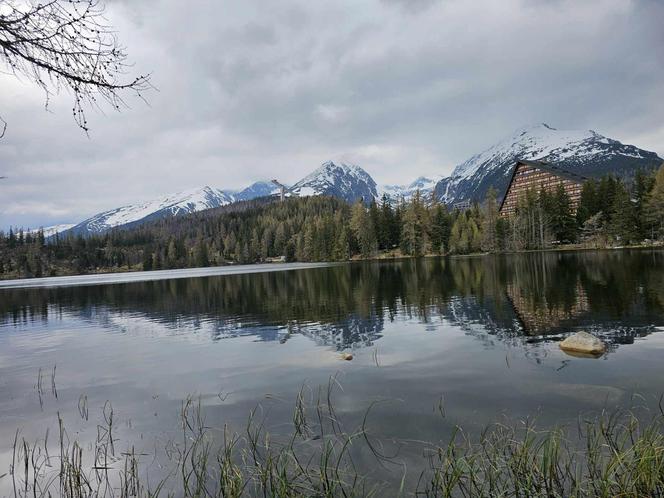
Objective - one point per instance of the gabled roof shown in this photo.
(543, 165)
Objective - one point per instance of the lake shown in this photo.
(437, 343)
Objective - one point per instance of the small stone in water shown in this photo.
(346, 356)
(583, 342)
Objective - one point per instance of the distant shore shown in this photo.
(126, 274)
(121, 277)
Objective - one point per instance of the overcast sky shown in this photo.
(251, 90)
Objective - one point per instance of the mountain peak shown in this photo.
(346, 181)
(583, 151)
(260, 188)
(186, 201)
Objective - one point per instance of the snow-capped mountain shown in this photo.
(424, 184)
(53, 229)
(185, 202)
(344, 181)
(585, 152)
(257, 189)
(347, 182)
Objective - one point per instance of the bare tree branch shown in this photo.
(66, 44)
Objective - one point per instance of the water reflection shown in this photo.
(477, 332)
(516, 298)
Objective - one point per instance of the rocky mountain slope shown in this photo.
(188, 201)
(347, 182)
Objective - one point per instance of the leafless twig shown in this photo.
(66, 44)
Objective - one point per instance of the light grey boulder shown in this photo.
(583, 343)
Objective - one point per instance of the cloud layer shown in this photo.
(256, 89)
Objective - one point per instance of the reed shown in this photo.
(614, 454)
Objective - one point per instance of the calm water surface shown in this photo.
(479, 333)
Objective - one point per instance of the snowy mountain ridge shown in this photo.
(585, 152)
(348, 182)
(425, 185)
(184, 202)
(52, 230)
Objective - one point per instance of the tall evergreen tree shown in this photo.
(489, 222)
(363, 230)
(563, 223)
(654, 206)
(623, 221)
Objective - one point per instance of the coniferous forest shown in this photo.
(611, 212)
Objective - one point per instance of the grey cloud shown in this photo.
(249, 90)
(414, 6)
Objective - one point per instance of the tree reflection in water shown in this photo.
(618, 295)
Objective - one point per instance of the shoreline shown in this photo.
(154, 275)
(126, 275)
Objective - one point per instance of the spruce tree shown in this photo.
(623, 224)
(563, 223)
(654, 206)
(363, 230)
(147, 260)
(588, 203)
(643, 184)
(201, 255)
(385, 227)
(489, 222)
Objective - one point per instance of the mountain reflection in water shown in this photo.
(618, 295)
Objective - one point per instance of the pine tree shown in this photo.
(201, 257)
(171, 254)
(410, 232)
(489, 222)
(374, 217)
(440, 229)
(309, 250)
(654, 206)
(606, 192)
(623, 225)
(341, 247)
(385, 227)
(502, 233)
(588, 203)
(563, 223)
(147, 260)
(363, 230)
(643, 184)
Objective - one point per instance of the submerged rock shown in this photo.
(583, 344)
(346, 356)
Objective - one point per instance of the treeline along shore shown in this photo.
(611, 212)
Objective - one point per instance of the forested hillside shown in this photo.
(328, 229)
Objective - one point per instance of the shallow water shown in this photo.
(476, 337)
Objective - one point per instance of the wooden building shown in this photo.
(539, 175)
(539, 316)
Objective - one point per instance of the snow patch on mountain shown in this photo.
(425, 185)
(52, 230)
(188, 201)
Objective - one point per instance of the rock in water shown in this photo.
(346, 356)
(584, 343)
